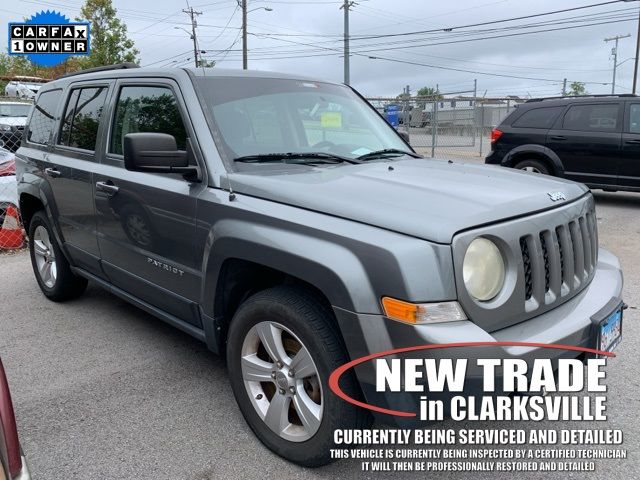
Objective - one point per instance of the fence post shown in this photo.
(474, 117)
(481, 128)
(434, 126)
(407, 117)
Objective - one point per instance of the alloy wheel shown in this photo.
(45, 256)
(282, 381)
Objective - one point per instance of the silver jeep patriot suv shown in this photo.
(282, 221)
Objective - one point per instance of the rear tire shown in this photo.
(534, 166)
(50, 266)
(291, 318)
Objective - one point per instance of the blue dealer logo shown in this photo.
(49, 38)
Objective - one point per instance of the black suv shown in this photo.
(591, 139)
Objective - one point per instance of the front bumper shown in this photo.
(568, 324)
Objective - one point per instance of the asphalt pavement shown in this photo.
(103, 390)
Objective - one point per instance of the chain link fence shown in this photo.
(13, 116)
(451, 128)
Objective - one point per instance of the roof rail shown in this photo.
(581, 96)
(104, 68)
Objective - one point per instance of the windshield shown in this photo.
(261, 116)
(14, 109)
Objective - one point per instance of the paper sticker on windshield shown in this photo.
(331, 119)
(361, 151)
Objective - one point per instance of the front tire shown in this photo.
(50, 266)
(282, 347)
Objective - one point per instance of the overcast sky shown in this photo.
(310, 31)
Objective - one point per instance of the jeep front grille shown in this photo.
(568, 255)
(550, 257)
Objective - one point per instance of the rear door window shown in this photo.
(538, 117)
(43, 119)
(592, 118)
(81, 118)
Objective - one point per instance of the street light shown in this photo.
(243, 4)
(185, 30)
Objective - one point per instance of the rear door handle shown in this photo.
(107, 187)
(52, 172)
(633, 142)
(558, 137)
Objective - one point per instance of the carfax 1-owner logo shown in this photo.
(49, 38)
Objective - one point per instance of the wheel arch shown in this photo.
(239, 279)
(537, 152)
(241, 263)
(29, 205)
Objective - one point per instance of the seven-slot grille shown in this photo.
(559, 261)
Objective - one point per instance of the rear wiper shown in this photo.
(299, 157)
(385, 152)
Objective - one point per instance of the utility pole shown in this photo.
(564, 87)
(635, 69)
(346, 6)
(244, 34)
(192, 15)
(614, 52)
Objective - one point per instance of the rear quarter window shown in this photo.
(43, 118)
(538, 117)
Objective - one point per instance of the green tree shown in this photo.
(429, 92)
(577, 88)
(109, 41)
(403, 96)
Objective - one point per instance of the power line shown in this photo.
(366, 48)
(523, 17)
(473, 35)
(165, 59)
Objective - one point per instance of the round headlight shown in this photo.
(483, 269)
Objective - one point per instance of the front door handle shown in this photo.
(107, 187)
(52, 172)
(633, 142)
(558, 137)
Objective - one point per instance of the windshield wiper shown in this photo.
(387, 151)
(299, 157)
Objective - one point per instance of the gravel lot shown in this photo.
(103, 390)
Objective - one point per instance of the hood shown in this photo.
(424, 198)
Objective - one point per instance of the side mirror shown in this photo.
(404, 136)
(155, 152)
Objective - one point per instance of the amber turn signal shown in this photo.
(420, 313)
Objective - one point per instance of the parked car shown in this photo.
(21, 89)
(592, 139)
(13, 118)
(13, 465)
(290, 244)
(8, 186)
